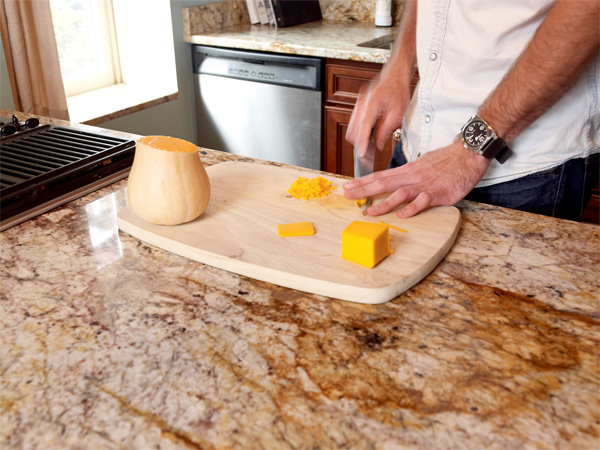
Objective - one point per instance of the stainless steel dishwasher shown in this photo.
(262, 105)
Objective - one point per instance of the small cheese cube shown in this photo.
(365, 243)
(295, 229)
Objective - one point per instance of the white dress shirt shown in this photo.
(464, 48)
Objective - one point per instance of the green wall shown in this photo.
(6, 98)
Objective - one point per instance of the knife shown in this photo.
(364, 165)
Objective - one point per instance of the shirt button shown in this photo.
(433, 56)
(427, 119)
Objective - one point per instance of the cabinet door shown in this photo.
(344, 79)
(339, 153)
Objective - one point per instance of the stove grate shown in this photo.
(49, 161)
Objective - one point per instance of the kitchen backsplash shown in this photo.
(214, 16)
(357, 10)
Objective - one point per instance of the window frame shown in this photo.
(108, 38)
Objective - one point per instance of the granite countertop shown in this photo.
(339, 35)
(322, 39)
(107, 342)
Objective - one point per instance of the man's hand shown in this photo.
(441, 177)
(385, 100)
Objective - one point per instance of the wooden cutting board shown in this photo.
(238, 233)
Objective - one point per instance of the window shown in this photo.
(116, 56)
(86, 41)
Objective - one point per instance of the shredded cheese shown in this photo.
(392, 226)
(314, 188)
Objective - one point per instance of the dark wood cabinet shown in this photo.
(344, 79)
(591, 213)
(338, 151)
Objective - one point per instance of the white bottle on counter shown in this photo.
(383, 13)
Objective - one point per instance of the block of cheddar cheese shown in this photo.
(365, 243)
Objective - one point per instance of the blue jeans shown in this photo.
(562, 191)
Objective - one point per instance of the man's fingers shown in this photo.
(380, 182)
(399, 197)
(421, 202)
(357, 191)
(441, 177)
(362, 187)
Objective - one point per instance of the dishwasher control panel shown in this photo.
(285, 70)
(246, 73)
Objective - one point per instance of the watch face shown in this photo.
(476, 133)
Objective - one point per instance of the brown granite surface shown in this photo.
(109, 343)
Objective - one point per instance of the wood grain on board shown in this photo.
(238, 233)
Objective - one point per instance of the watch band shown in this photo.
(497, 149)
(504, 154)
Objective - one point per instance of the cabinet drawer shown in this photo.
(345, 79)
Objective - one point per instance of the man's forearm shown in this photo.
(403, 61)
(559, 52)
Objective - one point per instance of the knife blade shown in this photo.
(364, 165)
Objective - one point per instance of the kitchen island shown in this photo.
(109, 343)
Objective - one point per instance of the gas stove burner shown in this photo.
(45, 166)
(8, 129)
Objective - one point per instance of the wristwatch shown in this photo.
(479, 137)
